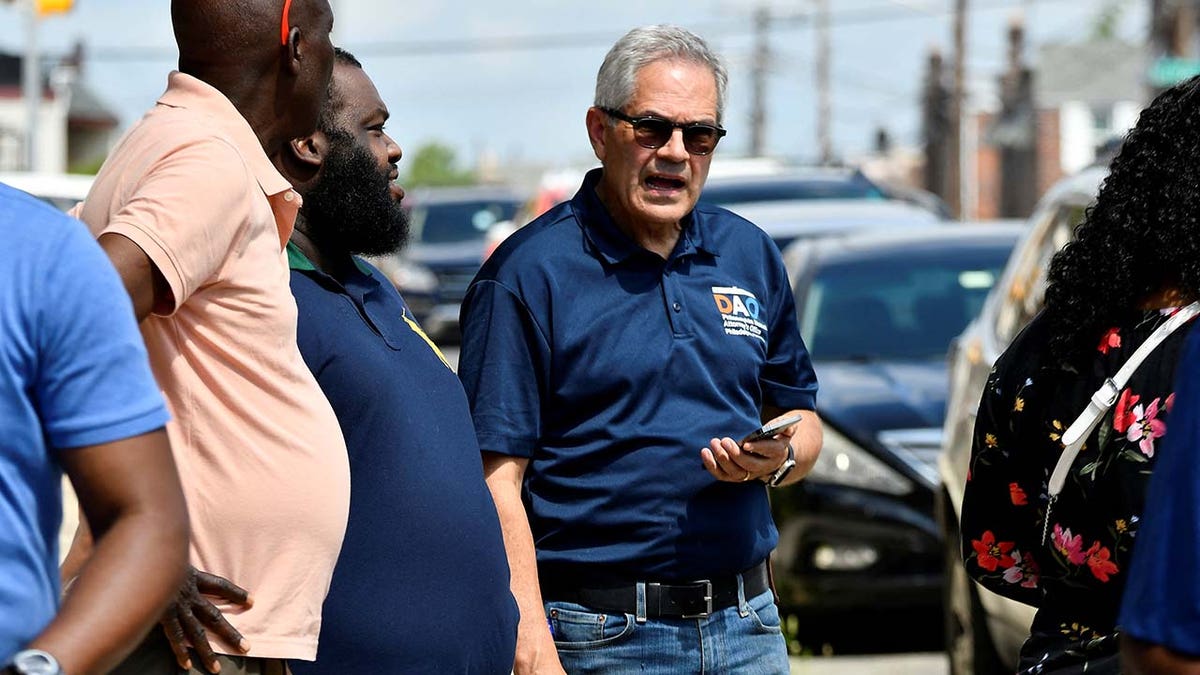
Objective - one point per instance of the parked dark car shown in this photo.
(878, 311)
(448, 241)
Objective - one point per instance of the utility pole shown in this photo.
(31, 84)
(762, 61)
(935, 126)
(956, 185)
(824, 105)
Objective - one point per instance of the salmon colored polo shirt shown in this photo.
(259, 450)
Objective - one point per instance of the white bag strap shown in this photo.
(1104, 398)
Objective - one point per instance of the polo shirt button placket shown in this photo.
(677, 307)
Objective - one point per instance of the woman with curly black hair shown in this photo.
(1134, 262)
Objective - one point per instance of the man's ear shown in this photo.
(597, 122)
(310, 150)
(293, 51)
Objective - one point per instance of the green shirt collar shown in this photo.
(298, 261)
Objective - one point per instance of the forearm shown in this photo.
(535, 645)
(78, 554)
(120, 593)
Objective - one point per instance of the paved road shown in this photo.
(885, 664)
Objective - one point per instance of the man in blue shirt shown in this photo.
(421, 585)
(76, 394)
(1160, 613)
(612, 351)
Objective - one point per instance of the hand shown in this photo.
(731, 462)
(536, 653)
(185, 621)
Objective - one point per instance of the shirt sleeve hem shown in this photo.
(504, 445)
(790, 398)
(1166, 631)
(93, 432)
(153, 247)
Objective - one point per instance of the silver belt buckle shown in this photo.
(708, 599)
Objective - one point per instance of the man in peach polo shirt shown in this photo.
(195, 217)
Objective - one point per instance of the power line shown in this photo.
(581, 40)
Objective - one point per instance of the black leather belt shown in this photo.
(689, 600)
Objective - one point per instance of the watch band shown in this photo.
(34, 662)
(784, 469)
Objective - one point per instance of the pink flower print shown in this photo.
(1025, 572)
(1146, 427)
(1170, 402)
(1111, 340)
(1071, 547)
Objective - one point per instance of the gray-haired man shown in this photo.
(612, 351)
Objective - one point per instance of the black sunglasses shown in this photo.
(654, 132)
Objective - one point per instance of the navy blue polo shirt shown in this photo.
(610, 368)
(422, 584)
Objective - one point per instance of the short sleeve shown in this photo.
(187, 212)
(1162, 595)
(788, 380)
(1000, 522)
(93, 383)
(503, 365)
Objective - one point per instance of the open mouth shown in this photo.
(665, 183)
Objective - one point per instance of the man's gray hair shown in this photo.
(645, 45)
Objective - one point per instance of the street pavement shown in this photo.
(889, 664)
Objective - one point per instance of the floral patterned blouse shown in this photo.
(1076, 575)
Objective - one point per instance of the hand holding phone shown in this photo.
(769, 429)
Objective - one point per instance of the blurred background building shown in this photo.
(1004, 107)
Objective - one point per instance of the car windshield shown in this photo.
(459, 221)
(852, 187)
(897, 306)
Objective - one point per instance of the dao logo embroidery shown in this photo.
(740, 311)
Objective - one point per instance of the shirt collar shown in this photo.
(300, 262)
(614, 245)
(186, 91)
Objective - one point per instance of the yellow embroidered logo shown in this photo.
(416, 328)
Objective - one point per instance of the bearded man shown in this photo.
(422, 583)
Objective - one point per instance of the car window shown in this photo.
(896, 306)
(1027, 290)
(453, 222)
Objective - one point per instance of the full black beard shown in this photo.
(350, 209)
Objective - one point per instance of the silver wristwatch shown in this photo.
(34, 662)
(784, 469)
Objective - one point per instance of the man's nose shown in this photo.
(393, 150)
(674, 149)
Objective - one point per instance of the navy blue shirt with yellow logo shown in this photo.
(610, 368)
(421, 585)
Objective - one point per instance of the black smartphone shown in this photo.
(771, 428)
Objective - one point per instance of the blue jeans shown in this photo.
(742, 640)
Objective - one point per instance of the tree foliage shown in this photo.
(435, 164)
